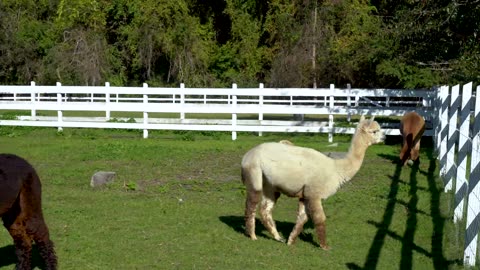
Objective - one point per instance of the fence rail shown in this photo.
(230, 102)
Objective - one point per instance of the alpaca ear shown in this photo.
(373, 118)
(362, 117)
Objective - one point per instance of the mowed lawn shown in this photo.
(177, 202)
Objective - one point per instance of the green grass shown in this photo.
(183, 206)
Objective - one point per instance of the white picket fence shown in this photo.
(458, 143)
(229, 102)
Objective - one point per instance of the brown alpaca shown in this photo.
(21, 211)
(412, 127)
(270, 169)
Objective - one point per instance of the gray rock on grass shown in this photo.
(102, 178)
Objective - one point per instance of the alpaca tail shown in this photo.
(252, 178)
(410, 141)
(243, 176)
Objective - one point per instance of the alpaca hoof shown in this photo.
(325, 247)
(251, 236)
(410, 162)
(280, 239)
(290, 242)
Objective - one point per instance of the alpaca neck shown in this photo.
(352, 162)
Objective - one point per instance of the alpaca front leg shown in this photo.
(253, 198)
(301, 220)
(266, 209)
(22, 241)
(23, 250)
(319, 219)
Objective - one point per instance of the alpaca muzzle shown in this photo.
(383, 137)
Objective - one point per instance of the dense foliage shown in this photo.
(299, 43)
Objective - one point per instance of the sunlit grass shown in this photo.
(184, 206)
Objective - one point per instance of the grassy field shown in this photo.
(177, 203)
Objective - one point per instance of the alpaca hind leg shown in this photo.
(404, 153)
(319, 219)
(253, 198)
(266, 210)
(301, 220)
(47, 252)
(415, 153)
(45, 245)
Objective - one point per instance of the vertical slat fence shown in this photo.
(473, 200)
(458, 145)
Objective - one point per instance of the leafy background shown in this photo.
(206, 43)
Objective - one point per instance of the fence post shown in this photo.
(452, 137)
(107, 101)
(234, 114)
(32, 99)
(145, 113)
(182, 101)
(443, 136)
(330, 116)
(59, 112)
(349, 102)
(473, 206)
(436, 125)
(260, 102)
(463, 150)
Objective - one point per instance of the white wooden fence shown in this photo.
(458, 144)
(448, 110)
(229, 102)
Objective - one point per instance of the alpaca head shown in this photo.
(370, 130)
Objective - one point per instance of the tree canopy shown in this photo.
(214, 43)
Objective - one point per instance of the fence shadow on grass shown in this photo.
(237, 223)
(408, 245)
(8, 257)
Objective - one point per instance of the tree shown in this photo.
(81, 53)
(434, 42)
(167, 45)
(241, 58)
(355, 45)
(23, 39)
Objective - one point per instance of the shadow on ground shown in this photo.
(435, 250)
(284, 228)
(8, 257)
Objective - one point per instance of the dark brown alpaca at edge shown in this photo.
(21, 211)
(412, 127)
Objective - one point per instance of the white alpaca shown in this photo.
(270, 169)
